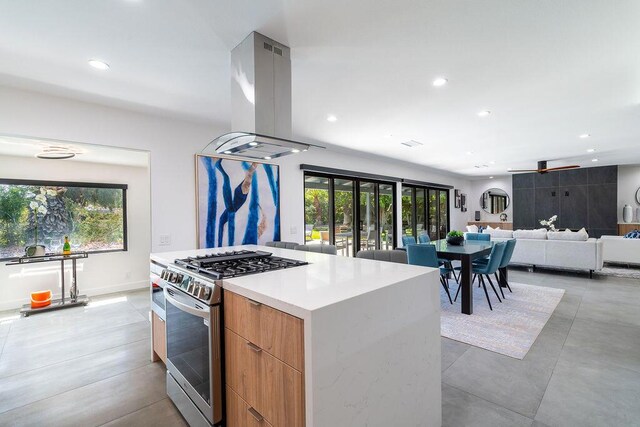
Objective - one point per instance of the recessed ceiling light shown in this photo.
(331, 118)
(490, 177)
(484, 113)
(440, 81)
(267, 157)
(227, 152)
(100, 65)
(253, 144)
(509, 169)
(469, 153)
(493, 162)
(594, 160)
(584, 136)
(591, 150)
(295, 150)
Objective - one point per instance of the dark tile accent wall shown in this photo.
(585, 197)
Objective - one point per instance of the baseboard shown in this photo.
(121, 287)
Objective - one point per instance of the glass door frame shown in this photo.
(427, 205)
(355, 226)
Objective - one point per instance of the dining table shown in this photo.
(465, 253)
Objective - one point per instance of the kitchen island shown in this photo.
(369, 338)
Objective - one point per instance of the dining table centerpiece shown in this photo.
(455, 237)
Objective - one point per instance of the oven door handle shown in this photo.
(184, 307)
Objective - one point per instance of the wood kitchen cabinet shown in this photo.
(264, 363)
(159, 338)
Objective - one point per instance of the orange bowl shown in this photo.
(40, 299)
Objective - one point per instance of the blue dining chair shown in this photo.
(426, 256)
(408, 240)
(423, 239)
(491, 267)
(504, 263)
(478, 236)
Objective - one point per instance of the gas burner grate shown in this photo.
(236, 263)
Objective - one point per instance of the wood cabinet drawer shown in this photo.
(274, 389)
(241, 414)
(159, 329)
(277, 333)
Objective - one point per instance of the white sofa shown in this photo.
(566, 254)
(620, 250)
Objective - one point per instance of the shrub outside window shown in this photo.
(44, 212)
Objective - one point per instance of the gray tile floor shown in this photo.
(90, 367)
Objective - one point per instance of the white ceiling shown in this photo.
(548, 70)
(28, 147)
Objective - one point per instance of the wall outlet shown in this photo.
(293, 229)
(165, 239)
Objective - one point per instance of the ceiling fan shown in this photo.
(542, 168)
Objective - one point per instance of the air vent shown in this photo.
(412, 143)
(269, 47)
(277, 51)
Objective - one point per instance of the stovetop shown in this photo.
(224, 265)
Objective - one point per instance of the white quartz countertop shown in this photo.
(326, 280)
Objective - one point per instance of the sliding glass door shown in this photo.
(359, 213)
(425, 210)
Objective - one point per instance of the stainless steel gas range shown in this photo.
(193, 295)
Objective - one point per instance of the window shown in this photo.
(425, 210)
(43, 212)
(351, 213)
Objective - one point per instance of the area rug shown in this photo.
(619, 271)
(513, 325)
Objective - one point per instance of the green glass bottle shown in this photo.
(66, 249)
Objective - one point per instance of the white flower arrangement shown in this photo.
(39, 205)
(549, 223)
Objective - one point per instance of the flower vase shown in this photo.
(627, 213)
(34, 250)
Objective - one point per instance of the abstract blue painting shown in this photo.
(238, 202)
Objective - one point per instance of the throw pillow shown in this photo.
(472, 228)
(489, 228)
(635, 234)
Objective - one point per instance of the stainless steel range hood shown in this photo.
(260, 102)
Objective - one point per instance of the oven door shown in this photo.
(194, 350)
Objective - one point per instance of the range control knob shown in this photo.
(207, 292)
(196, 290)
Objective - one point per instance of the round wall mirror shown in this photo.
(494, 201)
(638, 196)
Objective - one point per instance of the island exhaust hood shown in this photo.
(260, 102)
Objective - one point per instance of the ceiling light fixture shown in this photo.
(490, 177)
(55, 153)
(253, 144)
(484, 113)
(100, 65)
(440, 81)
(584, 136)
(493, 162)
(331, 118)
(267, 157)
(228, 152)
(469, 153)
(295, 150)
(594, 160)
(591, 150)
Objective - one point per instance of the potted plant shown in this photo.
(455, 237)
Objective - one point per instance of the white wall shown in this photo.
(479, 187)
(100, 273)
(172, 144)
(292, 184)
(628, 184)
